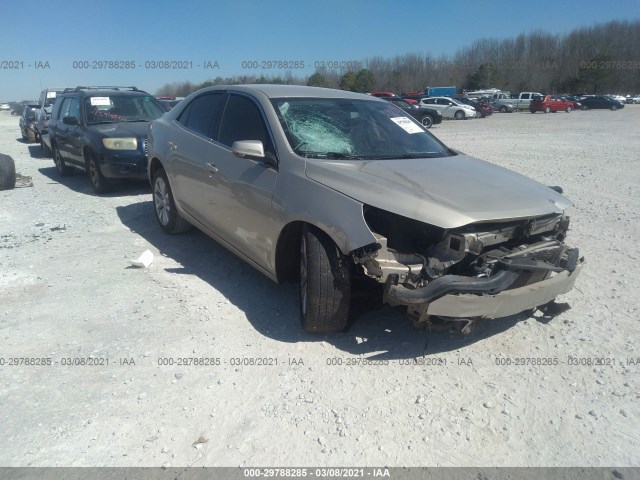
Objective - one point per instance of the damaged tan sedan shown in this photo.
(323, 187)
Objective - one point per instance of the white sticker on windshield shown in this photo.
(51, 94)
(100, 101)
(407, 125)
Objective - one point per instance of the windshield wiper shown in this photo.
(331, 155)
(405, 156)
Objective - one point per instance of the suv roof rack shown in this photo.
(102, 87)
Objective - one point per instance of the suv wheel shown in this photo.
(165, 206)
(61, 167)
(459, 115)
(7, 172)
(99, 183)
(45, 150)
(325, 284)
(426, 121)
(503, 109)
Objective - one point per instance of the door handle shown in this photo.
(212, 167)
(172, 145)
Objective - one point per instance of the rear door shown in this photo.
(189, 136)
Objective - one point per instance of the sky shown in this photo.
(61, 44)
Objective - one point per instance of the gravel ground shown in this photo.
(366, 397)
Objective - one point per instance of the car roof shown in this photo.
(279, 91)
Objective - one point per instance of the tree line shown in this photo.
(602, 58)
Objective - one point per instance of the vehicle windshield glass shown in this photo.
(354, 129)
(122, 108)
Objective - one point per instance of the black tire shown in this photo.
(584, 107)
(503, 109)
(459, 115)
(614, 108)
(426, 121)
(568, 109)
(63, 169)
(164, 205)
(532, 111)
(547, 110)
(98, 181)
(7, 172)
(325, 284)
(45, 150)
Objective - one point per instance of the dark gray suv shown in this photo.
(103, 131)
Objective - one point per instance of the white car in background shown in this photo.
(4, 106)
(449, 108)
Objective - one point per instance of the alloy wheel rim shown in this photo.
(161, 201)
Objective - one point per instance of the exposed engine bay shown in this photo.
(460, 273)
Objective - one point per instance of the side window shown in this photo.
(74, 108)
(525, 96)
(242, 120)
(64, 109)
(202, 114)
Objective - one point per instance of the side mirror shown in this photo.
(248, 148)
(70, 121)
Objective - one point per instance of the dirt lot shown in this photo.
(366, 397)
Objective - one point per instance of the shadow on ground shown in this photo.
(79, 182)
(381, 333)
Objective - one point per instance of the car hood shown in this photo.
(122, 129)
(447, 192)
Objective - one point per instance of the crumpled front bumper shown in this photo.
(495, 300)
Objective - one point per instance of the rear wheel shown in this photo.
(503, 109)
(532, 110)
(459, 115)
(98, 181)
(426, 121)
(165, 206)
(325, 283)
(614, 107)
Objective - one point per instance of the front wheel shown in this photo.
(614, 107)
(568, 109)
(459, 115)
(61, 167)
(98, 181)
(547, 109)
(503, 109)
(45, 150)
(165, 206)
(426, 121)
(325, 283)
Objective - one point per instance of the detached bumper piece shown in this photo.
(459, 296)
